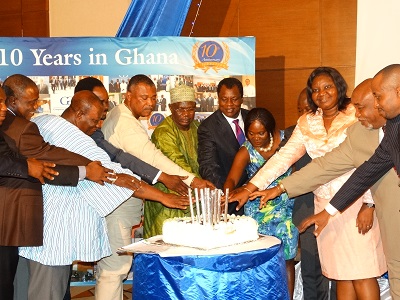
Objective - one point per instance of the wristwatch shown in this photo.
(370, 205)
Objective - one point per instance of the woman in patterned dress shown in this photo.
(276, 217)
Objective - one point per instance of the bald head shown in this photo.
(302, 104)
(386, 89)
(364, 102)
(85, 111)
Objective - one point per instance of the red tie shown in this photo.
(239, 132)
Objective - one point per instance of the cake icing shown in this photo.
(237, 230)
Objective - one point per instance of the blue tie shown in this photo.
(239, 132)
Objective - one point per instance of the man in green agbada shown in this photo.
(176, 137)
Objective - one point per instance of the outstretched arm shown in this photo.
(127, 160)
(143, 190)
(242, 158)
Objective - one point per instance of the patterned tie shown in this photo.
(239, 132)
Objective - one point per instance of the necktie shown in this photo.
(239, 132)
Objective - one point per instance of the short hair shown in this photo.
(140, 78)
(262, 115)
(88, 84)
(391, 72)
(230, 82)
(15, 85)
(340, 84)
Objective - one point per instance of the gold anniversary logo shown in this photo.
(210, 55)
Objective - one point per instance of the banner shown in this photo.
(57, 64)
(127, 56)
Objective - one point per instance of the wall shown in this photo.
(86, 17)
(24, 18)
(378, 41)
(292, 38)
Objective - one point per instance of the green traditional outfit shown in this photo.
(181, 147)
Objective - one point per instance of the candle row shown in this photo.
(208, 206)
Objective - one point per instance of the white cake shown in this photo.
(237, 230)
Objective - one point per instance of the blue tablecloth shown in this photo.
(258, 274)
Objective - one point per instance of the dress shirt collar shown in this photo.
(11, 111)
(230, 121)
(381, 134)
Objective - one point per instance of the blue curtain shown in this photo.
(154, 18)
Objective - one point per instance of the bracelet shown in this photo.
(138, 188)
(280, 185)
(245, 188)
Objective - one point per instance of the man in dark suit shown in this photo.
(22, 222)
(218, 143)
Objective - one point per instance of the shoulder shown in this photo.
(350, 110)
(288, 131)
(114, 114)
(359, 132)
(167, 125)
(14, 120)
(211, 120)
(244, 113)
(356, 127)
(246, 145)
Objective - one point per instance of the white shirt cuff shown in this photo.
(82, 172)
(331, 209)
(156, 178)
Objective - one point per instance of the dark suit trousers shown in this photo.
(8, 267)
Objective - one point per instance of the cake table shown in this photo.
(254, 270)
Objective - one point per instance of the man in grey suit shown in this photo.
(218, 143)
(358, 147)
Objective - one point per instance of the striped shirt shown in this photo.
(74, 217)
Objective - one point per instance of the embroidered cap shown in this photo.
(182, 93)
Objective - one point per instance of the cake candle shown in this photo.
(215, 206)
(209, 206)
(191, 205)
(196, 195)
(218, 205)
(226, 205)
(202, 206)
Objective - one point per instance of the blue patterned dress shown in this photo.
(276, 218)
